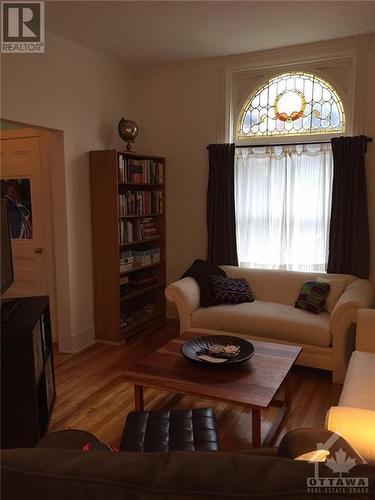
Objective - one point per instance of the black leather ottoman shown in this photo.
(177, 430)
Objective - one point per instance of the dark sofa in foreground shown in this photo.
(48, 473)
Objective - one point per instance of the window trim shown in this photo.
(328, 60)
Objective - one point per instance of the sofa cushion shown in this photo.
(230, 290)
(266, 319)
(359, 386)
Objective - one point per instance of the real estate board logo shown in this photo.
(22, 27)
(340, 463)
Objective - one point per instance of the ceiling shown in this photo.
(154, 32)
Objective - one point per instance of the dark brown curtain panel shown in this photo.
(349, 230)
(221, 219)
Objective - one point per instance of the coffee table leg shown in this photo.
(256, 429)
(138, 397)
(284, 407)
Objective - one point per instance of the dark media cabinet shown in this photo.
(27, 373)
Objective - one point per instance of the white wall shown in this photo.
(177, 113)
(84, 94)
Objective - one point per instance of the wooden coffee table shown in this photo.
(253, 384)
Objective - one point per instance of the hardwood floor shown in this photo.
(92, 394)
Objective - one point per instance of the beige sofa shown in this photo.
(354, 417)
(327, 340)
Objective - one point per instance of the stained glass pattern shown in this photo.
(292, 104)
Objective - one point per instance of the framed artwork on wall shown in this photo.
(18, 194)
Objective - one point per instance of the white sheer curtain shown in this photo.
(283, 205)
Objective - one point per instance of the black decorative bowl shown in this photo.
(198, 346)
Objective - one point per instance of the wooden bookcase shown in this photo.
(130, 301)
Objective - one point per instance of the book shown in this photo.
(146, 257)
(136, 171)
(140, 203)
(124, 286)
(136, 230)
(126, 267)
(133, 258)
(127, 260)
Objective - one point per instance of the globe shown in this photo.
(128, 131)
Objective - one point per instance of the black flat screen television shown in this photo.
(7, 275)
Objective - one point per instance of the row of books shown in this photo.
(140, 171)
(146, 308)
(138, 258)
(137, 230)
(140, 203)
(136, 281)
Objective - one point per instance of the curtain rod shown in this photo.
(369, 139)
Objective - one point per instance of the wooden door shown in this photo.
(21, 184)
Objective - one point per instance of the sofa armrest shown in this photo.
(357, 295)
(69, 439)
(357, 426)
(300, 444)
(185, 294)
(365, 334)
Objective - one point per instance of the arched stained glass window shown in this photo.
(292, 104)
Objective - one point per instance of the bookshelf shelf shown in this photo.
(140, 184)
(140, 268)
(127, 182)
(144, 216)
(138, 325)
(139, 242)
(137, 293)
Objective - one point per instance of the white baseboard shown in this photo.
(78, 340)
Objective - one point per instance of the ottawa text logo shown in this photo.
(340, 463)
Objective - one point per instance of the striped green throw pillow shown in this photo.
(312, 296)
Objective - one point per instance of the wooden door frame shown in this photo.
(52, 170)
